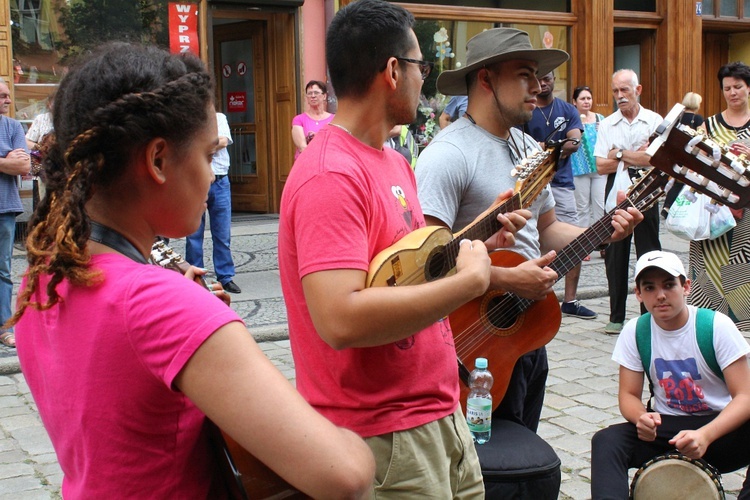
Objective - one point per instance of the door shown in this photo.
(634, 49)
(239, 57)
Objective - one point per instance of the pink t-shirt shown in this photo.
(342, 204)
(100, 366)
(310, 126)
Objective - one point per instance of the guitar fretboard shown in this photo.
(484, 228)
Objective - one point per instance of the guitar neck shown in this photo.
(577, 250)
(483, 228)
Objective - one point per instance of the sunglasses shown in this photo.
(425, 67)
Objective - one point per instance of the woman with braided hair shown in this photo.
(126, 360)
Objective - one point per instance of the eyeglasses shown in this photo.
(425, 67)
(314, 94)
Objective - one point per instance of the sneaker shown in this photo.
(231, 287)
(613, 328)
(576, 310)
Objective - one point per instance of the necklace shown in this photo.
(736, 129)
(547, 118)
(342, 128)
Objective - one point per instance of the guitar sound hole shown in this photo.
(502, 311)
(436, 264)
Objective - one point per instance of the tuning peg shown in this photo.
(712, 206)
(691, 196)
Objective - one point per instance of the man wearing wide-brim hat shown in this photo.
(468, 164)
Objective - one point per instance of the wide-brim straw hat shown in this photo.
(496, 45)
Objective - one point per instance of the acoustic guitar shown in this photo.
(429, 253)
(243, 476)
(502, 327)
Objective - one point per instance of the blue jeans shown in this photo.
(220, 212)
(7, 234)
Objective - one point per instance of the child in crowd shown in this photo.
(700, 390)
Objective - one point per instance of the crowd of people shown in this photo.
(139, 152)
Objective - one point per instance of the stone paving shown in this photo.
(581, 392)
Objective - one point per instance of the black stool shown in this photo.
(518, 464)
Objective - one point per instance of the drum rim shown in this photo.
(711, 471)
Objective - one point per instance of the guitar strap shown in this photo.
(114, 240)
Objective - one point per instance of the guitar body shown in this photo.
(241, 475)
(416, 258)
(501, 327)
(252, 478)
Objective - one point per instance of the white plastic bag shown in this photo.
(688, 217)
(622, 183)
(722, 221)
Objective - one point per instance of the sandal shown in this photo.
(8, 339)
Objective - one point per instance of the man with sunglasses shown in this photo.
(468, 163)
(381, 360)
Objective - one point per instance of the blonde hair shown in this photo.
(692, 101)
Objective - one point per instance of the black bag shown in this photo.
(518, 464)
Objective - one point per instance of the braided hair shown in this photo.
(107, 109)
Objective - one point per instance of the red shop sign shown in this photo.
(236, 102)
(183, 27)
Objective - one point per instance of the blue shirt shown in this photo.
(11, 137)
(558, 112)
(456, 107)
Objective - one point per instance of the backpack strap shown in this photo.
(704, 329)
(643, 342)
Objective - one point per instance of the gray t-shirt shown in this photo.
(461, 172)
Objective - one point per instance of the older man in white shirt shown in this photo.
(621, 143)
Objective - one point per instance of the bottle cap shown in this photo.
(480, 363)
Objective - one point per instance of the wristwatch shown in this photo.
(618, 155)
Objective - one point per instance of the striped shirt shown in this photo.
(616, 132)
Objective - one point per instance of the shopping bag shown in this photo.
(688, 217)
(622, 182)
(722, 220)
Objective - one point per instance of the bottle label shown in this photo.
(479, 414)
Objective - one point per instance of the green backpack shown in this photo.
(704, 330)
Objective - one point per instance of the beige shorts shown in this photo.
(436, 460)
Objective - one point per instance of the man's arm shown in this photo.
(694, 443)
(346, 314)
(531, 279)
(16, 163)
(571, 146)
(444, 120)
(631, 406)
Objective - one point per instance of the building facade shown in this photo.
(262, 52)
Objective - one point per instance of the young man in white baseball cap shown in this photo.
(699, 380)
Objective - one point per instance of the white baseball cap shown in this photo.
(663, 260)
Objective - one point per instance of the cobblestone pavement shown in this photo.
(581, 392)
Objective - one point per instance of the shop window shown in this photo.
(546, 5)
(48, 34)
(636, 5)
(444, 43)
(728, 8)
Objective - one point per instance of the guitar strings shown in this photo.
(485, 226)
(506, 307)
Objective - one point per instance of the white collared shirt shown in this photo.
(616, 132)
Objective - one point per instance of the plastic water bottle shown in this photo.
(479, 403)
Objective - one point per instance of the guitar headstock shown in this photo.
(164, 256)
(646, 190)
(534, 173)
(707, 166)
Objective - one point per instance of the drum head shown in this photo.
(675, 479)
